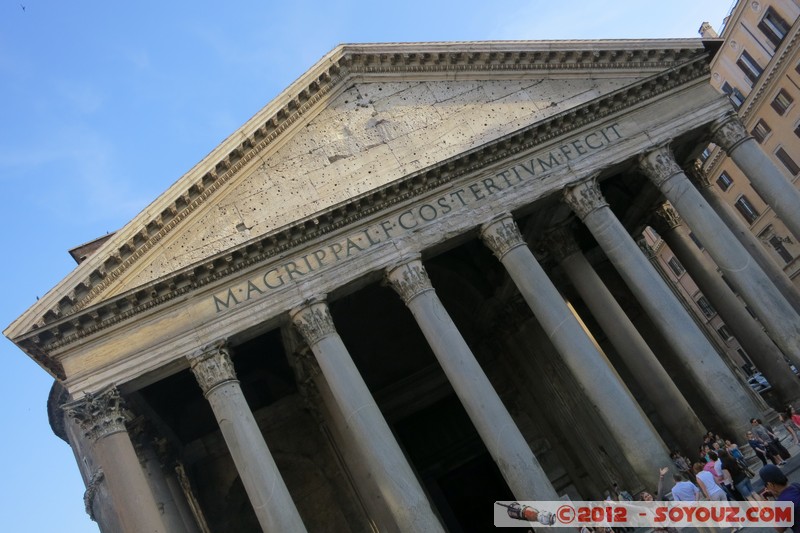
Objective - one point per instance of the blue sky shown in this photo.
(103, 105)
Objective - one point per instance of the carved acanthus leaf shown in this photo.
(561, 242)
(212, 366)
(409, 280)
(501, 236)
(659, 165)
(728, 132)
(98, 414)
(314, 321)
(584, 197)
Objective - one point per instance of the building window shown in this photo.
(760, 131)
(747, 209)
(781, 102)
(735, 95)
(797, 130)
(676, 266)
(724, 332)
(751, 69)
(787, 161)
(705, 307)
(705, 154)
(773, 26)
(695, 240)
(780, 249)
(724, 181)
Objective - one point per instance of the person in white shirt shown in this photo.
(684, 491)
(705, 480)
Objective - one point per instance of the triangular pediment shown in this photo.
(362, 118)
(370, 135)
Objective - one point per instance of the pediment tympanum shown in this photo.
(370, 135)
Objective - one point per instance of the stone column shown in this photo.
(752, 283)
(724, 392)
(741, 231)
(378, 448)
(659, 388)
(603, 386)
(761, 349)
(507, 446)
(276, 512)
(101, 417)
(728, 132)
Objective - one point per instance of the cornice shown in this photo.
(75, 317)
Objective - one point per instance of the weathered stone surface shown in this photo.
(370, 135)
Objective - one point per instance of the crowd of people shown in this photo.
(721, 472)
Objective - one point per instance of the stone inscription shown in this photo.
(415, 217)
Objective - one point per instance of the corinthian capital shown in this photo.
(313, 320)
(501, 235)
(584, 197)
(561, 242)
(98, 414)
(728, 131)
(409, 279)
(212, 366)
(698, 176)
(659, 165)
(666, 218)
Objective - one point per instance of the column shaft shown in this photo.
(724, 392)
(603, 386)
(743, 272)
(772, 185)
(101, 417)
(506, 445)
(761, 349)
(643, 364)
(388, 466)
(750, 242)
(262, 481)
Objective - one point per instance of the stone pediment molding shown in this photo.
(76, 314)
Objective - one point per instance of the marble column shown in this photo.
(101, 417)
(603, 386)
(741, 231)
(767, 356)
(777, 315)
(643, 364)
(781, 194)
(523, 473)
(378, 448)
(723, 391)
(213, 369)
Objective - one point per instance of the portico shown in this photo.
(314, 320)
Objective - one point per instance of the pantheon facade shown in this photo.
(407, 288)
